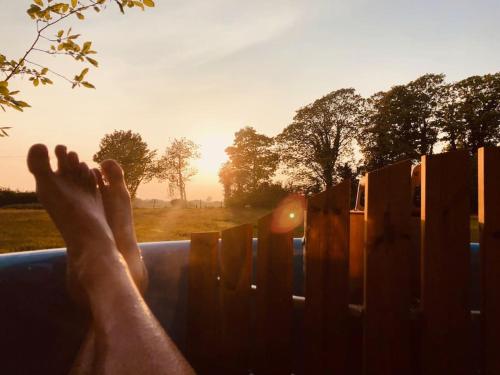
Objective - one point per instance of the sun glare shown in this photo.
(289, 214)
(212, 154)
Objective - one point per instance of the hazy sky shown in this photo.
(205, 68)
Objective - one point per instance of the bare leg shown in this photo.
(128, 337)
(118, 209)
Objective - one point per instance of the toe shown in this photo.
(98, 177)
(84, 173)
(73, 161)
(38, 160)
(113, 172)
(62, 159)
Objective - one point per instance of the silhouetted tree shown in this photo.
(251, 166)
(476, 113)
(175, 165)
(133, 154)
(402, 123)
(321, 137)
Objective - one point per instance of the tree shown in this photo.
(133, 154)
(251, 166)
(48, 14)
(402, 123)
(476, 113)
(452, 125)
(175, 165)
(321, 137)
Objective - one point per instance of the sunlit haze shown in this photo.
(204, 69)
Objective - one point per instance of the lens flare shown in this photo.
(289, 214)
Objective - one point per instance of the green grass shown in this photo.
(29, 229)
(22, 230)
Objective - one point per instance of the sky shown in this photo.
(204, 69)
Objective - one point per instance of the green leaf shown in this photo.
(80, 16)
(22, 104)
(36, 82)
(88, 85)
(139, 4)
(38, 2)
(92, 61)
(148, 3)
(60, 33)
(74, 3)
(86, 47)
(44, 71)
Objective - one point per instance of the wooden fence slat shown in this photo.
(356, 256)
(387, 271)
(235, 288)
(489, 226)
(327, 281)
(445, 215)
(202, 301)
(274, 303)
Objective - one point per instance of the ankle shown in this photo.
(96, 269)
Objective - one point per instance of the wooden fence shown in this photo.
(385, 292)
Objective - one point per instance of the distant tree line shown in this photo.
(344, 134)
(15, 197)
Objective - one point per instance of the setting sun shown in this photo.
(212, 154)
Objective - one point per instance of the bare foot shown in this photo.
(118, 209)
(74, 203)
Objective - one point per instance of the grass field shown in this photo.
(24, 229)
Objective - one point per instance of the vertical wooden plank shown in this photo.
(445, 263)
(327, 281)
(202, 301)
(489, 226)
(356, 256)
(274, 303)
(387, 271)
(235, 288)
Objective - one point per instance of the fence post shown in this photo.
(235, 288)
(489, 226)
(274, 303)
(387, 271)
(202, 301)
(327, 281)
(445, 216)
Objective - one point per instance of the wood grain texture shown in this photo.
(274, 303)
(327, 281)
(202, 302)
(356, 256)
(235, 304)
(445, 219)
(387, 271)
(489, 227)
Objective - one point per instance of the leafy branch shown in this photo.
(47, 14)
